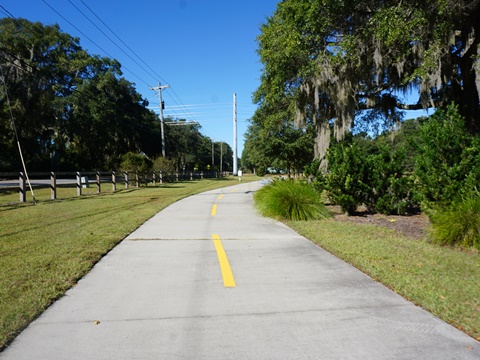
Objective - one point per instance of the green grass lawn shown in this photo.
(442, 280)
(46, 248)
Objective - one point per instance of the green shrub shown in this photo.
(364, 172)
(346, 180)
(136, 162)
(290, 200)
(167, 166)
(458, 224)
(315, 175)
(390, 190)
(448, 156)
(260, 171)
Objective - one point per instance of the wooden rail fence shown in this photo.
(82, 179)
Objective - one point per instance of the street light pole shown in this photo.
(235, 165)
(160, 88)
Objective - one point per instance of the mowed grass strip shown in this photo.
(442, 280)
(45, 249)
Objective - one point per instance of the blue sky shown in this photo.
(204, 49)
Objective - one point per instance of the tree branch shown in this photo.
(398, 105)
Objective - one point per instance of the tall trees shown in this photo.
(336, 58)
(190, 150)
(255, 156)
(273, 140)
(71, 109)
(36, 66)
(108, 118)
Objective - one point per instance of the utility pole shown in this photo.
(160, 88)
(221, 155)
(213, 159)
(235, 165)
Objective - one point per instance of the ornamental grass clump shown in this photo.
(290, 200)
(458, 225)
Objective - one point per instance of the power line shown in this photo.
(6, 12)
(128, 47)
(93, 42)
(212, 105)
(108, 37)
(134, 53)
(188, 112)
(76, 93)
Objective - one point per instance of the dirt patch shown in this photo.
(412, 226)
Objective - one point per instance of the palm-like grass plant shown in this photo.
(290, 200)
(459, 224)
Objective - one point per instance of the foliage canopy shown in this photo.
(332, 59)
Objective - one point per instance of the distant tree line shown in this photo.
(74, 111)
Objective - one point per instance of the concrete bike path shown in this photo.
(168, 292)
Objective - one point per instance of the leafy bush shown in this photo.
(315, 176)
(459, 224)
(390, 190)
(346, 181)
(136, 162)
(290, 200)
(260, 171)
(370, 175)
(167, 166)
(448, 156)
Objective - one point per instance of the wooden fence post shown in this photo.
(79, 184)
(114, 181)
(22, 188)
(98, 182)
(53, 186)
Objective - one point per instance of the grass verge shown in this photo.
(45, 249)
(442, 280)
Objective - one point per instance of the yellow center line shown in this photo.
(228, 280)
(214, 209)
(221, 196)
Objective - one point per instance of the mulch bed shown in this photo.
(412, 226)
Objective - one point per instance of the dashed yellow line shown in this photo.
(227, 275)
(228, 279)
